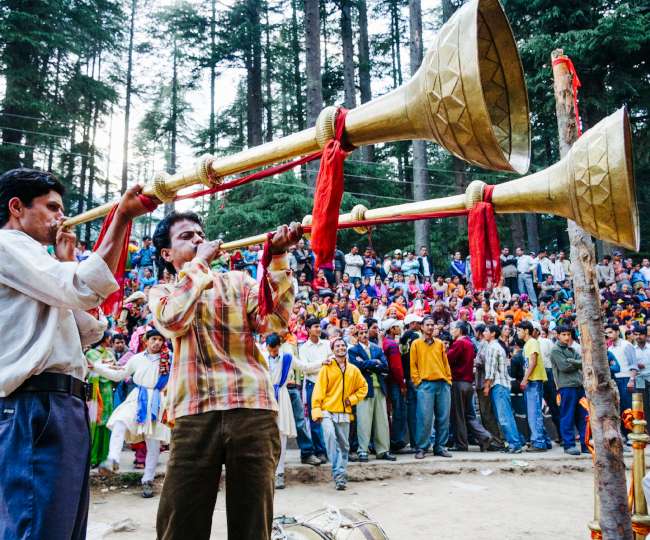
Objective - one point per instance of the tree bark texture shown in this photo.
(253, 60)
(349, 88)
(420, 172)
(609, 466)
(314, 86)
(213, 74)
(127, 104)
(365, 90)
(532, 232)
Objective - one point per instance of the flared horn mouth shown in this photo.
(474, 82)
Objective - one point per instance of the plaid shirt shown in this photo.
(211, 318)
(496, 364)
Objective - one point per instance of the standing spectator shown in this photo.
(372, 414)
(625, 355)
(550, 389)
(525, 268)
(645, 270)
(412, 324)
(425, 262)
(509, 269)
(566, 265)
(353, 264)
(605, 272)
(396, 384)
(567, 371)
(339, 264)
(457, 267)
(314, 353)
(339, 387)
(463, 415)
(642, 352)
(557, 269)
(250, 260)
(545, 265)
(369, 264)
(145, 257)
(431, 376)
(497, 386)
(411, 266)
(533, 387)
(396, 262)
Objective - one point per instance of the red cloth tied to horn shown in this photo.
(484, 248)
(113, 303)
(329, 193)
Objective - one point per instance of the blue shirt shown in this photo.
(146, 255)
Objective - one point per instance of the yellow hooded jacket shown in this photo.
(333, 387)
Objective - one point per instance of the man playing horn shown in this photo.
(44, 432)
(220, 393)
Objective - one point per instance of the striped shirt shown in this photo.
(211, 318)
(496, 364)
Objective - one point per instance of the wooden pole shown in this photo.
(609, 467)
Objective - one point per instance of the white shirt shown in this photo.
(42, 310)
(625, 356)
(557, 269)
(525, 264)
(545, 345)
(642, 357)
(312, 356)
(353, 265)
(546, 265)
(645, 272)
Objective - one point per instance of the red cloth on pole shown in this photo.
(328, 196)
(265, 294)
(113, 303)
(483, 239)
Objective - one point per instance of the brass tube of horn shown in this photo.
(593, 185)
(469, 96)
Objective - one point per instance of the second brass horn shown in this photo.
(469, 96)
(593, 185)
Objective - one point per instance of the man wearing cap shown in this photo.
(44, 434)
(372, 414)
(139, 416)
(396, 383)
(412, 331)
(525, 267)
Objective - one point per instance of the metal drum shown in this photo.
(329, 524)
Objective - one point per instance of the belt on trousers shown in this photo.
(56, 382)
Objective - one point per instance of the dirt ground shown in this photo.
(498, 506)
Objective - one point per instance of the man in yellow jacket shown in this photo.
(339, 387)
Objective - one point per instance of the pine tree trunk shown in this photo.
(297, 77)
(532, 232)
(314, 86)
(128, 92)
(255, 104)
(349, 89)
(365, 90)
(213, 75)
(173, 128)
(268, 101)
(420, 173)
(609, 466)
(517, 227)
(93, 151)
(107, 183)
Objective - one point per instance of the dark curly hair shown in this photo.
(161, 239)
(26, 184)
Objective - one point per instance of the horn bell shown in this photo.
(469, 95)
(593, 185)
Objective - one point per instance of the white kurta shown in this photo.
(286, 422)
(143, 367)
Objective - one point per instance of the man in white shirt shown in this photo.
(44, 433)
(557, 269)
(525, 267)
(645, 269)
(625, 355)
(353, 264)
(313, 354)
(642, 352)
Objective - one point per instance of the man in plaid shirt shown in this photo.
(220, 396)
(497, 386)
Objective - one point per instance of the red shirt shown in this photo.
(461, 359)
(394, 357)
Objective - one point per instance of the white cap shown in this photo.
(389, 323)
(397, 252)
(412, 317)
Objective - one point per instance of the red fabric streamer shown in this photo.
(484, 246)
(575, 83)
(265, 173)
(265, 294)
(113, 303)
(329, 193)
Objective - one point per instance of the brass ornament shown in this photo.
(358, 213)
(592, 185)
(160, 189)
(469, 96)
(306, 222)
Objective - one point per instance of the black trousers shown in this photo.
(463, 416)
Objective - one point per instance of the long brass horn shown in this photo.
(469, 96)
(592, 185)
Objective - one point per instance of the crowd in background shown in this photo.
(442, 366)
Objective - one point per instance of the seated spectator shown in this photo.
(320, 284)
